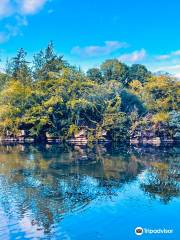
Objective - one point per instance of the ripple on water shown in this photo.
(52, 195)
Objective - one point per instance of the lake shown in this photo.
(87, 193)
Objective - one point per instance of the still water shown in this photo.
(88, 193)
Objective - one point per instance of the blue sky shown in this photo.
(87, 32)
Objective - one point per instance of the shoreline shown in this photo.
(134, 142)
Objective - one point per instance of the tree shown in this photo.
(114, 70)
(47, 63)
(4, 78)
(131, 103)
(13, 104)
(95, 75)
(160, 183)
(138, 72)
(58, 99)
(18, 68)
(14, 94)
(161, 94)
(58, 104)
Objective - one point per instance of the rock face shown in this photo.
(81, 136)
(153, 141)
(146, 132)
(151, 137)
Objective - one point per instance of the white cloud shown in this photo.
(173, 69)
(177, 75)
(169, 55)
(170, 67)
(133, 57)
(176, 53)
(27, 7)
(23, 7)
(163, 57)
(96, 51)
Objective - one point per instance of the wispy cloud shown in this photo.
(6, 8)
(170, 67)
(177, 75)
(18, 10)
(97, 51)
(3, 37)
(12, 30)
(169, 62)
(133, 57)
(176, 53)
(169, 55)
(163, 57)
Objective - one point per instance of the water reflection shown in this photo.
(162, 181)
(41, 185)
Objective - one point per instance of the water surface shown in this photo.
(88, 193)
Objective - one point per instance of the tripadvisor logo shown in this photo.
(139, 231)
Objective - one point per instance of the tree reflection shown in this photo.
(162, 181)
(48, 182)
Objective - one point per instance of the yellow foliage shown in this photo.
(161, 93)
(136, 87)
(160, 117)
(73, 129)
(77, 102)
(52, 101)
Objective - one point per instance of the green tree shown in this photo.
(13, 104)
(114, 70)
(4, 78)
(131, 103)
(138, 72)
(18, 68)
(95, 75)
(58, 99)
(161, 93)
(47, 63)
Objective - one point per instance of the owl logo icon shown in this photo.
(139, 231)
